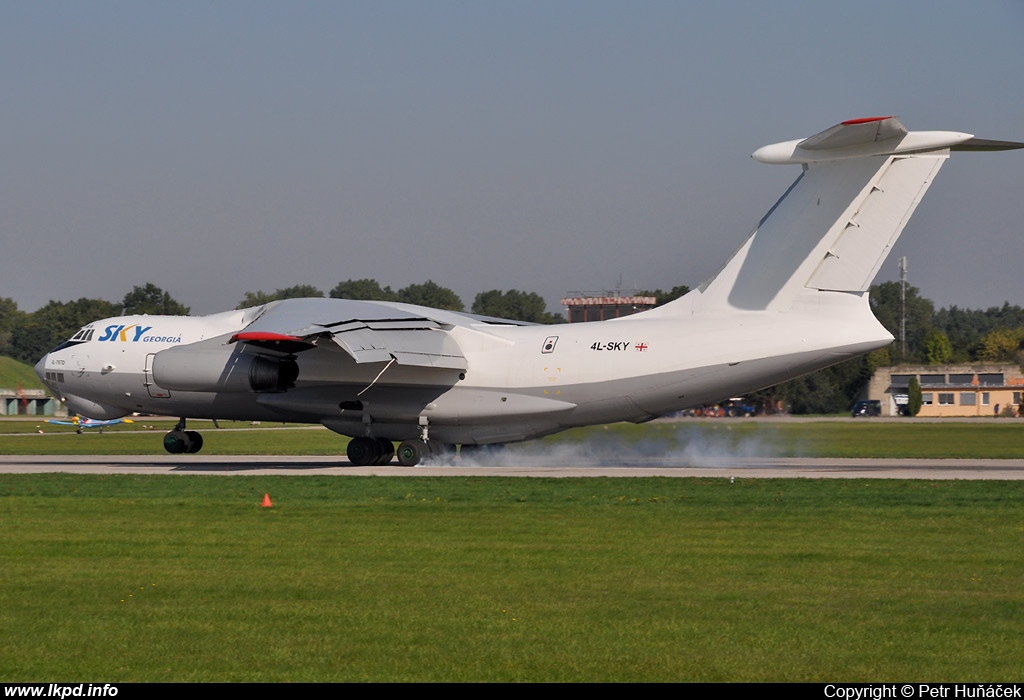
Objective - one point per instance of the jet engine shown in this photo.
(223, 369)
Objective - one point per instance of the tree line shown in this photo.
(945, 336)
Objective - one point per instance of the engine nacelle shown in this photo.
(222, 369)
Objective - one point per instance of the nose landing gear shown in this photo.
(181, 441)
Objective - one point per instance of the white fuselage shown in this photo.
(520, 381)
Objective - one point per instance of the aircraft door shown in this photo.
(155, 391)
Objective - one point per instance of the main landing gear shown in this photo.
(411, 452)
(181, 441)
(368, 451)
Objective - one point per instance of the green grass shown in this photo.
(1000, 439)
(14, 374)
(996, 439)
(179, 578)
(184, 578)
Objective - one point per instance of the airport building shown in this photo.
(951, 390)
(29, 402)
(600, 306)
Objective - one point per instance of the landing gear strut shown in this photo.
(181, 441)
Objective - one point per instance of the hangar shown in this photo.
(29, 402)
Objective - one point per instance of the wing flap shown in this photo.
(368, 332)
(422, 347)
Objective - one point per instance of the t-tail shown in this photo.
(830, 232)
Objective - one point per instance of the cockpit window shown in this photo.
(82, 336)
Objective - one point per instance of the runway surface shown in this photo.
(743, 467)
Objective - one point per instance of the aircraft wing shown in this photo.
(367, 331)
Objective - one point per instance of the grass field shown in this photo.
(158, 578)
(185, 578)
(14, 374)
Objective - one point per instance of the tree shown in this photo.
(937, 348)
(914, 398)
(364, 289)
(299, 291)
(44, 329)
(514, 305)
(152, 300)
(885, 304)
(664, 297)
(967, 328)
(831, 390)
(10, 317)
(1001, 345)
(816, 393)
(431, 294)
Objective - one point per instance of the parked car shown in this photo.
(868, 407)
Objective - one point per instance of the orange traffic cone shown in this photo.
(266, 501)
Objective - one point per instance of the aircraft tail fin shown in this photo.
(834, 227)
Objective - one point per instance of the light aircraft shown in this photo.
(82, 423)
(791, 300)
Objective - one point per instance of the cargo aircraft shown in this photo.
(792, 299)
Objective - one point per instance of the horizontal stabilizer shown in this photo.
(855, 132)
(857, 138)
(987, 145)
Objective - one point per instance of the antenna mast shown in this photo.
(903, 308)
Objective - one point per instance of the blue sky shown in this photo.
(214, 148)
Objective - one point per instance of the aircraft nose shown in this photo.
(40, 367)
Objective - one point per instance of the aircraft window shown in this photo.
(67, 344)
(83, 335)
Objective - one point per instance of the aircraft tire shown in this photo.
(177, 442)
(363, 451)
(195, 441)
(410, 452)
(387, 451)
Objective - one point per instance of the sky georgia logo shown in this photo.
(134, 334)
